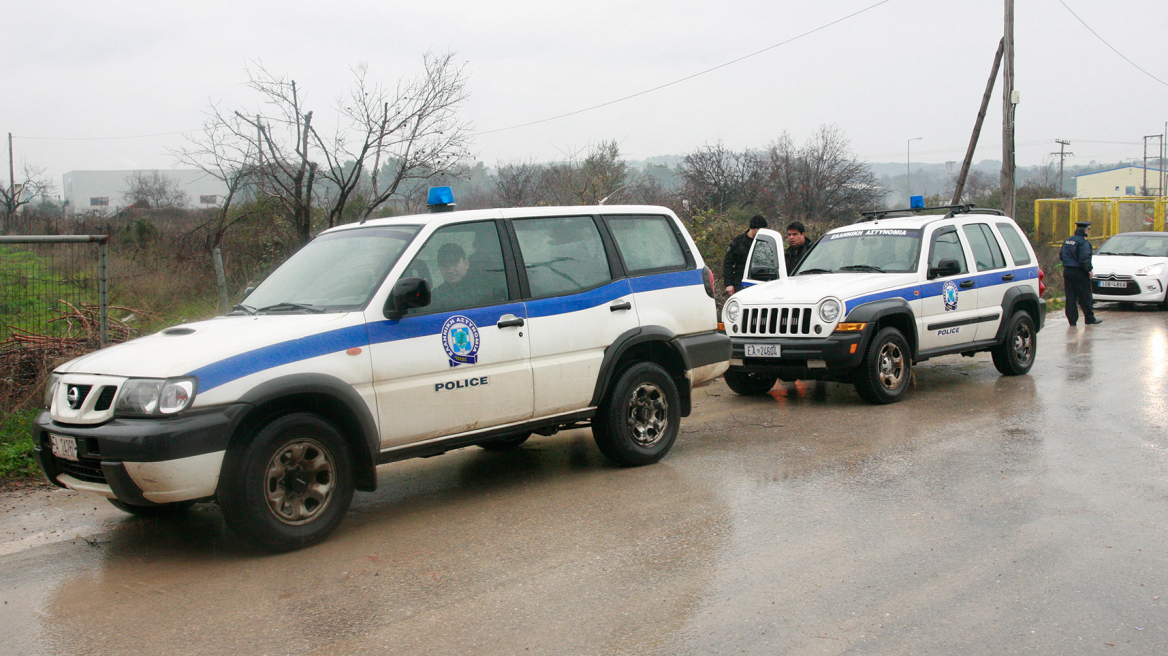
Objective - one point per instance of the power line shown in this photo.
(1111, 46)
(688, 77)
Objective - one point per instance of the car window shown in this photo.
(764, 255)
(947, 246)
(986, 252)
(1150, 245)
(561, 255)
(464, 265)
(646, 243)
(867, 250)
(1015, 243)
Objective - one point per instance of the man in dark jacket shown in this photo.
(797, 244)
(734, 264)
(1076, 258)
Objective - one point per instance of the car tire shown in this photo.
(886, 370)
(638, 421)
(749, 384)
(505, 443)
(1015, 355)
(158, 510)
(1164, 302)
(290, 485)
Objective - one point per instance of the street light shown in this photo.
(908, 169)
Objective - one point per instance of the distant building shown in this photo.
(104, 191)
(1121, 181)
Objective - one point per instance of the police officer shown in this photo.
(1076, 258)
(734, 265)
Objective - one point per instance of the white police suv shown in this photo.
(870, 299)
(388, 340)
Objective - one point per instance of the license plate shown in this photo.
(762, 351)
(64, 447)
(1113, 283)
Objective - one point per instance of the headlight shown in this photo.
(51, 389)
(1153, 270)
(151, 396)
(732, 311)
(829, 310)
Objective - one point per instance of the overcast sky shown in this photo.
(81, 78)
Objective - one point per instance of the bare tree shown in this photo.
(516, 183)
(720, 179)
(33, 183)
(154, 189)
(601, 175)
(228, 160)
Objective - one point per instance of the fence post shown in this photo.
(103, 288)
(222, 280)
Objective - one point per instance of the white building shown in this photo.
(104, 191)
(1121, 181)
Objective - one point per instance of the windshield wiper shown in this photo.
(281, 307)
(862, 267)
(243, 308)
(814, 271)
(1112, 253)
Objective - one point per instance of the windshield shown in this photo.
(334, 272)
(1151, 245)
(875, 250)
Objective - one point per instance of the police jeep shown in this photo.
(871, 299)
(394, 339)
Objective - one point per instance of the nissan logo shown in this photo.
(73, 396)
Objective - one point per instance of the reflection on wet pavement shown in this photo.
(984, 514)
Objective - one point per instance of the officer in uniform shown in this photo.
(1076, 258)
(734, 264)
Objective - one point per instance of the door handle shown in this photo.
(1008, 277)
(968, 284)
(509, 321)
(623, 305)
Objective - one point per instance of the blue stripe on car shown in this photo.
(933, 288)
(379, 332)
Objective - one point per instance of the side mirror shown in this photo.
(247, 292)
(944, 269)
(407, 293)
(761, 272)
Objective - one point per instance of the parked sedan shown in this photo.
(1132, 267)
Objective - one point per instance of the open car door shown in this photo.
(765, 262)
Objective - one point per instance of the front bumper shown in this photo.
(1137, 290)
(830, 358)
(141, 461)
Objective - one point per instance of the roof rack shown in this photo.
(966, 208)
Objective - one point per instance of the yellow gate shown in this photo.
(1055, 218)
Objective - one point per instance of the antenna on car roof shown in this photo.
(876, 215)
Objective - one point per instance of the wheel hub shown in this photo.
(300, 481)
(648, 416)
(891, 366)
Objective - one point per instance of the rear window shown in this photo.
(647, 243)
(1015, 242)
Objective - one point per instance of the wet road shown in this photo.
(982, 515)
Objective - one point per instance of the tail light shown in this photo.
(708, 280)
(1041, 285)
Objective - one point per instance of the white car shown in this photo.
(871, 299)
(394, 339)
(1132, 267)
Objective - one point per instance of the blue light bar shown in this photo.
(914, 202)
(440, 198)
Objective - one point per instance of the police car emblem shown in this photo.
(949, 294)
(460, 338)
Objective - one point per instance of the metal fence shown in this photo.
(53, 287)
(1055, 218)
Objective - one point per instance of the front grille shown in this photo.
(105, 398)
(1130, 288)
(776, 321)
(84, 470)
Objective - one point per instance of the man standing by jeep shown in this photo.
(796, 244)
(734, 264)
(1076, 259)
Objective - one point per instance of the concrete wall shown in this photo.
(104, 191)
(1124, 181)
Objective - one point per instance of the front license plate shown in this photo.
(762, 351)
(64, 447)
(1113, 283)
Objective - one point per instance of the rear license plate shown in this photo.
(762, 351)
(1113, 283)
(64, 447)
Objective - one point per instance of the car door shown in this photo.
(765, 262)
(462, 362)
(575, 307)
(993, 278)
(949, 305)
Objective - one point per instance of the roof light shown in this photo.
(916, 202)
(440, 199)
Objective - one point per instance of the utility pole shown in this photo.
(959, 188)
(1161, 189)
(1009, 100)
(1062, 154)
